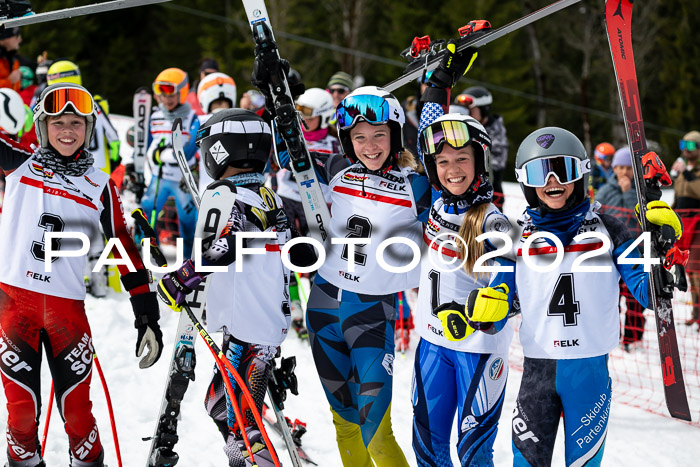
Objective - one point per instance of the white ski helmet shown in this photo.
(61, 98)
(216, 86)
(375, 106)
(12, 111)
(458, 131)
(316, 102)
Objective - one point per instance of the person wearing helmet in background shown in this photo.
(56, 188)
(42, 68)
(478, 100)
(104, 146)
(602, 169)
(27, 86)
(252, 334)
(570, 318)
(206, 68)
(10, 76)
(170, 89)
(216, 92)
(470, 376)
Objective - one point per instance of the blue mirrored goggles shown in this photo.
(688, 145)
(372, 109)
(566, 169)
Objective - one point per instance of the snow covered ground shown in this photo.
(635, 438)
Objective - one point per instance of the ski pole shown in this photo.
(160, 147)
(221, 359)
(109, 408)
(302, 293)
(47, 421)
(402, 346)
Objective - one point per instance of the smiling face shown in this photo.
(554, 194)
(66, 133)
(372, 144)
(455, 168)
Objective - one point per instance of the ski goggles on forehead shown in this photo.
(167, 89)
(372, 109)
(433, 137)
(566, 169)
(55, 102)
(688, 145)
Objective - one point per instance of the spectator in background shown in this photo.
(252, 100)
(620, 192)
(340, 86)
(602, 170)
(478, 100)
(686, 188)
(27, 86)
(10, 76)
(206, 67)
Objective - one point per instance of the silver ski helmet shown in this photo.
(548, 143)
(373, 105)
(58, 99)
(234, 138)
(458, 131)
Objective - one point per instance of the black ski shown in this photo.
(28, 17)
(431, 56)
(287, 122)
(216, 204)
(618, 20)
(282, 378)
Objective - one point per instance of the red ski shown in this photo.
(618, 20)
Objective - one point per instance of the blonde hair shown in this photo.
(472, 227)
(406, 158)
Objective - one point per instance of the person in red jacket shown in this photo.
(10, 76)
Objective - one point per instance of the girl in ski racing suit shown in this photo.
(468, 376)
(570, 319)
(352, 305)
(250, 306)
(57, 189)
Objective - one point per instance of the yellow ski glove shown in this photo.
(484, 307)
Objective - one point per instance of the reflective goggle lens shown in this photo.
(374, 109)
(305, 111)
(164, 88)
(688, 145)
(55, 102)
(465, 100)
(454, 133)
(567, 169)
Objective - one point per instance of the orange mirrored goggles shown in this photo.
(167, 89)
(305, 111)
(56, 101)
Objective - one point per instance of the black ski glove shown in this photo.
(261, 80)
(147, 314)
(453, 66)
